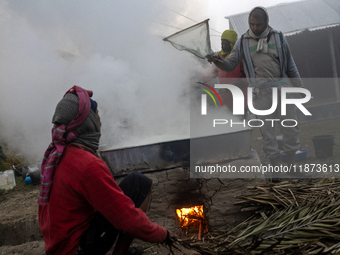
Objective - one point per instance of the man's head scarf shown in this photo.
(74, 121)
(231, 36)
(262, 45)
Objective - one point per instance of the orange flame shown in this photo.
(192, 219)
(188, 216)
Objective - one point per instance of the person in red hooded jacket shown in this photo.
(81, 208)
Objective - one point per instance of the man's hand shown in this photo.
(170, 238)
(213, 58)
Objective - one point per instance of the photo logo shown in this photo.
(239, 109)
(204, 97)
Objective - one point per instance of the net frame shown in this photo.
(196, 52)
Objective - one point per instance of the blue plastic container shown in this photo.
(298, 156)
(28, 180)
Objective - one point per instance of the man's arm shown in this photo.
(233, 60)
(105, 196)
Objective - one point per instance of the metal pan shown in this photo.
(178, 153)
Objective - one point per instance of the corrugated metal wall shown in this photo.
(294, 17)
(313, 56)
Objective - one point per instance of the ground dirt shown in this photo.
(19, 228)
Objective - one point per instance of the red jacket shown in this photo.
(82, 185)
(232, 78)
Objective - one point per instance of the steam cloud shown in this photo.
(111, 47)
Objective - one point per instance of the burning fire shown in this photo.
(192, 220)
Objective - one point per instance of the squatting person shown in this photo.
(81, 208)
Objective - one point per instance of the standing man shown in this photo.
(81, 208)
(268, 64)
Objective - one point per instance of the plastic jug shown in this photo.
(7, 180)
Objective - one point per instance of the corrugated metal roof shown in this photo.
(293, 17)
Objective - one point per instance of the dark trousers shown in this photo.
(101, 234)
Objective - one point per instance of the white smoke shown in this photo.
(114, 48)
(141, 83)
